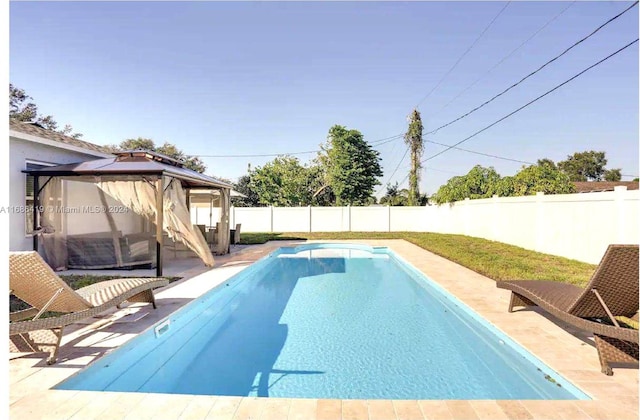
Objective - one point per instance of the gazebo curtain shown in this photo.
(140, 196)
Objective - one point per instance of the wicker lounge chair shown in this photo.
(34, 282)
(611, 293)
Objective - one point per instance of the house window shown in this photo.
(29, 194)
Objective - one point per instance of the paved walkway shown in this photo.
(568, 352)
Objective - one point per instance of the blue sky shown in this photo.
(219, 78)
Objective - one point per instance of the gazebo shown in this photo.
(143, 196)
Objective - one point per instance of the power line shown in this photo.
(505, 58)
(376, 143)
(532, 101)
(463, 55)
(463, 150)
(395, 170)
(256, 155)
(534, 72)
(388, 140)
(480, 153)
(516, 84)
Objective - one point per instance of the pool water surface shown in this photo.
(327, 321)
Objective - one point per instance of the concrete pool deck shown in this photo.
(565, 350)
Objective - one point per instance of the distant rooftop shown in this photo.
(598, 186)
(36, 130)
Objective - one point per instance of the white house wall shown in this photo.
(19, 152)
(82, 196)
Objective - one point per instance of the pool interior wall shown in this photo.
(327, 321)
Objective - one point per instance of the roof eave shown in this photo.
(200, 183)
(52, 143)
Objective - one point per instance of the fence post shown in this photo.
(467, 216)
(271, 210)
(619, 194)
(495, 219)
(349, 215)
(540, 222)
(388, 218)
(310, 230)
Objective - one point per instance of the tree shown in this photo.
(584, 166)
(19, 107)
(539, 178)
(395, 196)
(548, 162)
(168, 149)
(613, 175)
(413, 140)
(283, 182)
(243, 186)
(22, 109)
(485, 182)
(480, 182)
(322, 193)
(350, 166)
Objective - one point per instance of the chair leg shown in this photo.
(614, 350)
(518, 300)
(144, 296)
(38, 341)
(53, 355)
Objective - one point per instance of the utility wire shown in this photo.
(463, 55)
(515, 84)
(505, 58)
(532, 101)
(463, 150)
(533, 72)
(257, 155)
(480, 153)
(376, 143)
(394, 171)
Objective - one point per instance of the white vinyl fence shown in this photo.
(577, 226)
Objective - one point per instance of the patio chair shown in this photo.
(236, 234)
(34, 282)
(612, 293)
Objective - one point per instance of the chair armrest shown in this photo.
(23, 314)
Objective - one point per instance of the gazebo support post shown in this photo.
(159, 222)
(36, 205)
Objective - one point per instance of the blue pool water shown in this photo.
(327, 321)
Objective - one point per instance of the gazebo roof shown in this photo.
(134, 162)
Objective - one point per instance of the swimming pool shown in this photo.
(327, 321)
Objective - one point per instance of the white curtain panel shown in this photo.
(140, 196)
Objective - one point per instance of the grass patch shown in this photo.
(495, 260)
(261, 238)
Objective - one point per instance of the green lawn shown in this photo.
(495, 260)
